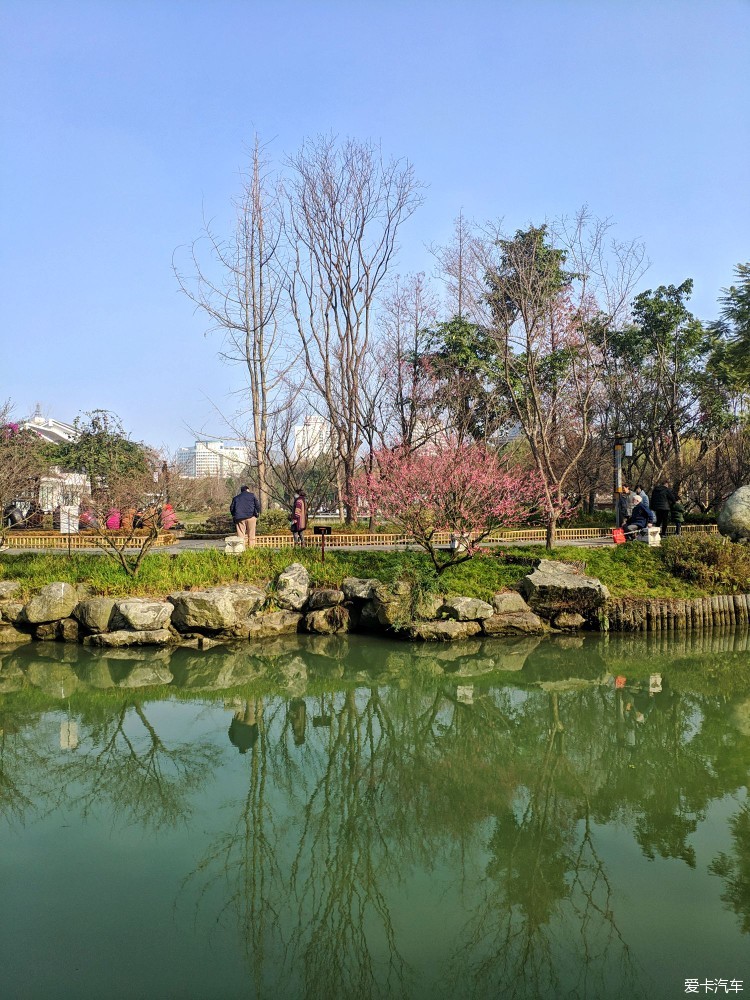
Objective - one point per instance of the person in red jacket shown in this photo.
(168, 517)
(299, 517)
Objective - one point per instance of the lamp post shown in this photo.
(620, 447)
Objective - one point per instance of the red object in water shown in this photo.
(620, 681)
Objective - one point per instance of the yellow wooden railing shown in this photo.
(362, 540)
(40, 540)
(43, 540)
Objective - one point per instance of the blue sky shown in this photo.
(122, 122)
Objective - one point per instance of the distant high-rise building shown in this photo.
(312, 438)
(212, 458)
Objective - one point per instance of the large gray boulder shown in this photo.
(272, 623)
(10, 636)
(466, 609)
(216, 609)
(53, 602)
(320, 599)
(445, 631)
(512, 616)
(293, 587)
(357, 589)
(95, 613)
(734, 518)
(555, 587)
(142, 614)
(327, 621)
(64, 630)
(126, 637)
(13, 612)
(393, 605)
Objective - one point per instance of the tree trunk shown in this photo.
(551, 536)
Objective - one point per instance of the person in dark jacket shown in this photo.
(639, 519)
(244, 510)
(662, 499)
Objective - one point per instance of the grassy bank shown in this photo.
(687, 567)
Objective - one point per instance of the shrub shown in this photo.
(708, 560)
(274, 522)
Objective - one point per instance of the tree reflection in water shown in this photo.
(23, 764)
(544, 924)
(242, 863)
(122, 761)
(503, 795)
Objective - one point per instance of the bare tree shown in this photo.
(298, 462)
(346, 206)
(408, 315)
(131, 501)
(23, 460)
(461, 266)
(244, 301)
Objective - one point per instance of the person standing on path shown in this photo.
(625, 503)
(244, 510)
(662, 499)
(299, 517)
(678, 514)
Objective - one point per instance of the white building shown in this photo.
(212, 458)
(57, 486)
(312, 438)
(54, 431)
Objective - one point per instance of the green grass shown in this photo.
(628, 571)
(631, 571)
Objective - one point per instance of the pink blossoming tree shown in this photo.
(461, 488)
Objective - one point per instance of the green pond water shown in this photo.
(357, 818)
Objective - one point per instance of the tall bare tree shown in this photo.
(299, 461)
(346, 206)
(240, 290)
(409, 313)
(461, 266)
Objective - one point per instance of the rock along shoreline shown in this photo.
(554, 598)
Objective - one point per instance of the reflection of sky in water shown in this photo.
(389, 839)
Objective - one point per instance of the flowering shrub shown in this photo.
(460, 488)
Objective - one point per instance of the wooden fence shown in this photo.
(41, 540)
(45, 540)
(362, 540)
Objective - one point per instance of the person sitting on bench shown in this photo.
(640, 518)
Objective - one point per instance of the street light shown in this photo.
(620, 447)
